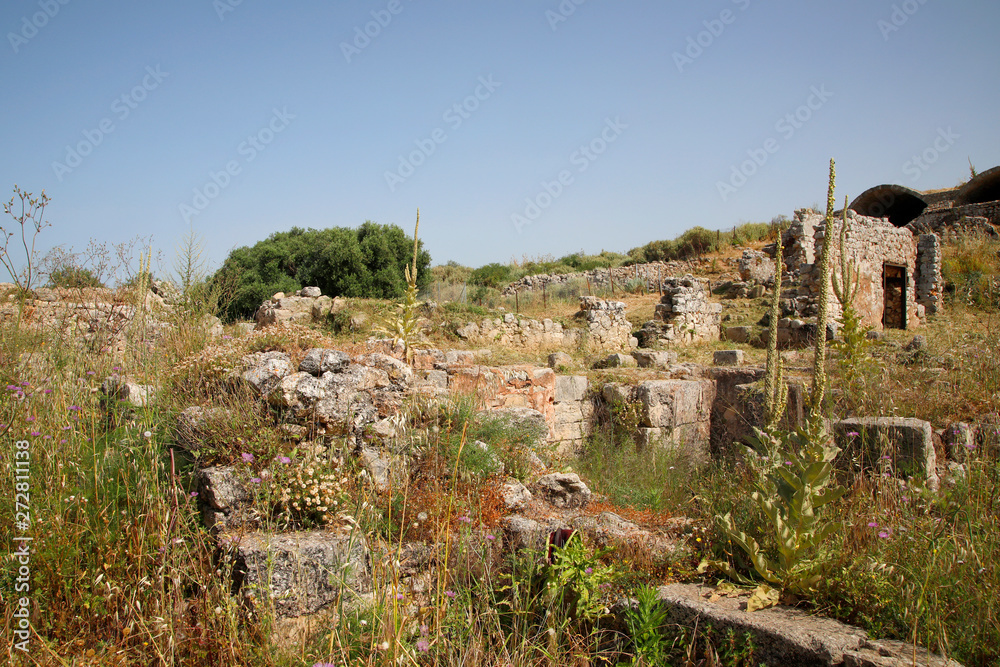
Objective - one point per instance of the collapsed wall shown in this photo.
(684, 314)
(606, 328)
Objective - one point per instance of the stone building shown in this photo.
(898, 273)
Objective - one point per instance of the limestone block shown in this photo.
(571, 388)
(728, 358)
(907, 442)
(301, 573)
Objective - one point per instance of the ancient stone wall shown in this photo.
(606, 328)
(755, 265)
(684, 314)
(306, 305)
(649, 273)
(870, 244)
(930, 284)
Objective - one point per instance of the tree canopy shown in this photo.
(365, 262)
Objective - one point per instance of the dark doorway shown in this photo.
(894, 286)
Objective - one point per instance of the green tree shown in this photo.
(369, 261)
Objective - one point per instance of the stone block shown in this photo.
(728, 358)
(560, 359)
(571, 388)
(660, 360)
(222, 499)
(908, 444)
(737, 334)
(565, 490)
(617, 360)
(300, 573)
(959, 441)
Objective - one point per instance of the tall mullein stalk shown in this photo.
(819, 364)
(403, 326)
(775, 390)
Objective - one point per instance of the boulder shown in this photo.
(318, 361)
(727, 358)
(617, 360)
(959, 441)
(127, 390)
(265, 370)
(565, 490)
(312, 292)
(560, 359)
(194, 423)
(514, 495)
(660, 360)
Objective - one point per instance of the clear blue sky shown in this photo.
(161, 96)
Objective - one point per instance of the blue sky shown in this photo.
(520, 128)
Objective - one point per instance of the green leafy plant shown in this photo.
(645, 620)
(795, 479)
(575, 577)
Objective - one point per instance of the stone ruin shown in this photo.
(683, 315)
(897, 273)
(606, 328)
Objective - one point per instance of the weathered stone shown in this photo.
(563, 490)
(378, 467)
(300, 573)
(755, 265)
(787, 636)
(617, 360)
(570, 388)
(311, 292)
(223, 499)
(265, 370)
(528, 423)
(514, 495)
(523, 533)
(460, 357)
(738, 334)
(560, 359)
(118, 388)
(660, 360)
(437, 379)
(399, 372)
(728, 357)
(318, 361)
(682, 408)
(907, 442)
(959, 441)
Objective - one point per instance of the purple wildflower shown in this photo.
(872, 524)
(247, 457)
(451, 594)
(423, 646)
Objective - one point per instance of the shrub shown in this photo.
(367, 262)
(493, 275)
(69, 275)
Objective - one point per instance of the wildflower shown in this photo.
(255, 480)
(423, 646)
(47, 391)
(884, 534)
(63, 441)
(284, 459)
(29, 419)
(384, 646)
(589, 570)
(451, 594)
(490, 536)
(90, 372)
(853, 434)
(194, 494)
(423, 630)
(36, 433)
(74, 408)
(788, 463)
(247, 457)
(872, 524)
(66, 428)
(399, 596)
(465, 519)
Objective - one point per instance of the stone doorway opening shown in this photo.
(894, 288)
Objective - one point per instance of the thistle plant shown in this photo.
(403, 326)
